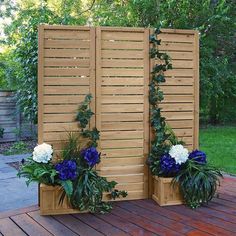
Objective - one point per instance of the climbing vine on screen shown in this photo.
(164, 137)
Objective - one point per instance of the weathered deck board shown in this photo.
(139, 217)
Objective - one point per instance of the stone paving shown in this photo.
(14, 193)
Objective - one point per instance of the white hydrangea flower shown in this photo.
(42, 153)
(179, 153)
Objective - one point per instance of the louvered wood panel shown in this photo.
(66, 75)
(122, 109)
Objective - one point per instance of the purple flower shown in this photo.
(198, 156)
(169, 165)
(91, 156)
(67, 170)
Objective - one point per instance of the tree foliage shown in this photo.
(215, 20)
(22, 37)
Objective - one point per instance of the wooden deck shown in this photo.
(142, 217)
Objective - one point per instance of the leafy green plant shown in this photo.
(17, 148)
(74, 170)
(22, 38)
(198, 182)
(37, 172)
(1, 132)
(83, 116)
(89, 189)
(86, 192)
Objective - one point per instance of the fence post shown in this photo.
(18, 123)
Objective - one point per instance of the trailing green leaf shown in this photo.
(198, 182)
(1, 132)
(38, 172)
(164, 137)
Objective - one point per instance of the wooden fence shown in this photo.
(113, 65)
(15, 126)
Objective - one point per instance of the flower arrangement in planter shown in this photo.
(72, 180)
(179, 176)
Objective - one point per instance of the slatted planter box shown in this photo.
(49, 201)
(164, 193)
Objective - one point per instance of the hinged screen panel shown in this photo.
(66, 75)
(122, 107)
(181, 92)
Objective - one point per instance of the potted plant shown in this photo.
(178, 176)
(169, 165)
(70, 182)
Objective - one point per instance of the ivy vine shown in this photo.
(83, 116)
(163, 136)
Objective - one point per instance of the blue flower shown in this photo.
(169, 165)
(91, 156)
(67, 170)
(198, 156)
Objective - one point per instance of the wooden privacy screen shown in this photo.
(113, 64)
(66, 75)
(181, 91)
(122, 110)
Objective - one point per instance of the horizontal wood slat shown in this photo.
(66, 53)
(65, 62)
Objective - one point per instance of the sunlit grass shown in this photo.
(219, 143)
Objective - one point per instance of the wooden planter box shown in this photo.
(49, 201)
(164, 193)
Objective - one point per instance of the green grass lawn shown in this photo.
(219, 143)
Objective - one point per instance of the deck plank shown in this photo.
(30, 226)
(100, 225)
(157, 218)
(77, 226)
(213, 226)
(52, 225)
(144, 223)
(9, 228)
(139, 217)
(124, 225)
(202, 226)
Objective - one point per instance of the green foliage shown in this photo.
(220, 155)
(71, 149)
(17, 148)
(85, 192)
(83, 116)
(164, 137)
(89, 189)
(8, 70)
(216, 22)
(1, 132)
(38, 172)
(198, 183)
(84, 112)
(22, 37)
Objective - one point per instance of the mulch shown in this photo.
(6, 146)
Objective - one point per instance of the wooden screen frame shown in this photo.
(94, 53)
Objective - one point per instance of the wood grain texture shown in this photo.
(113, 65)
(40, 82)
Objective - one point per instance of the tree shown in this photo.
(215, 20)
(22, 37)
